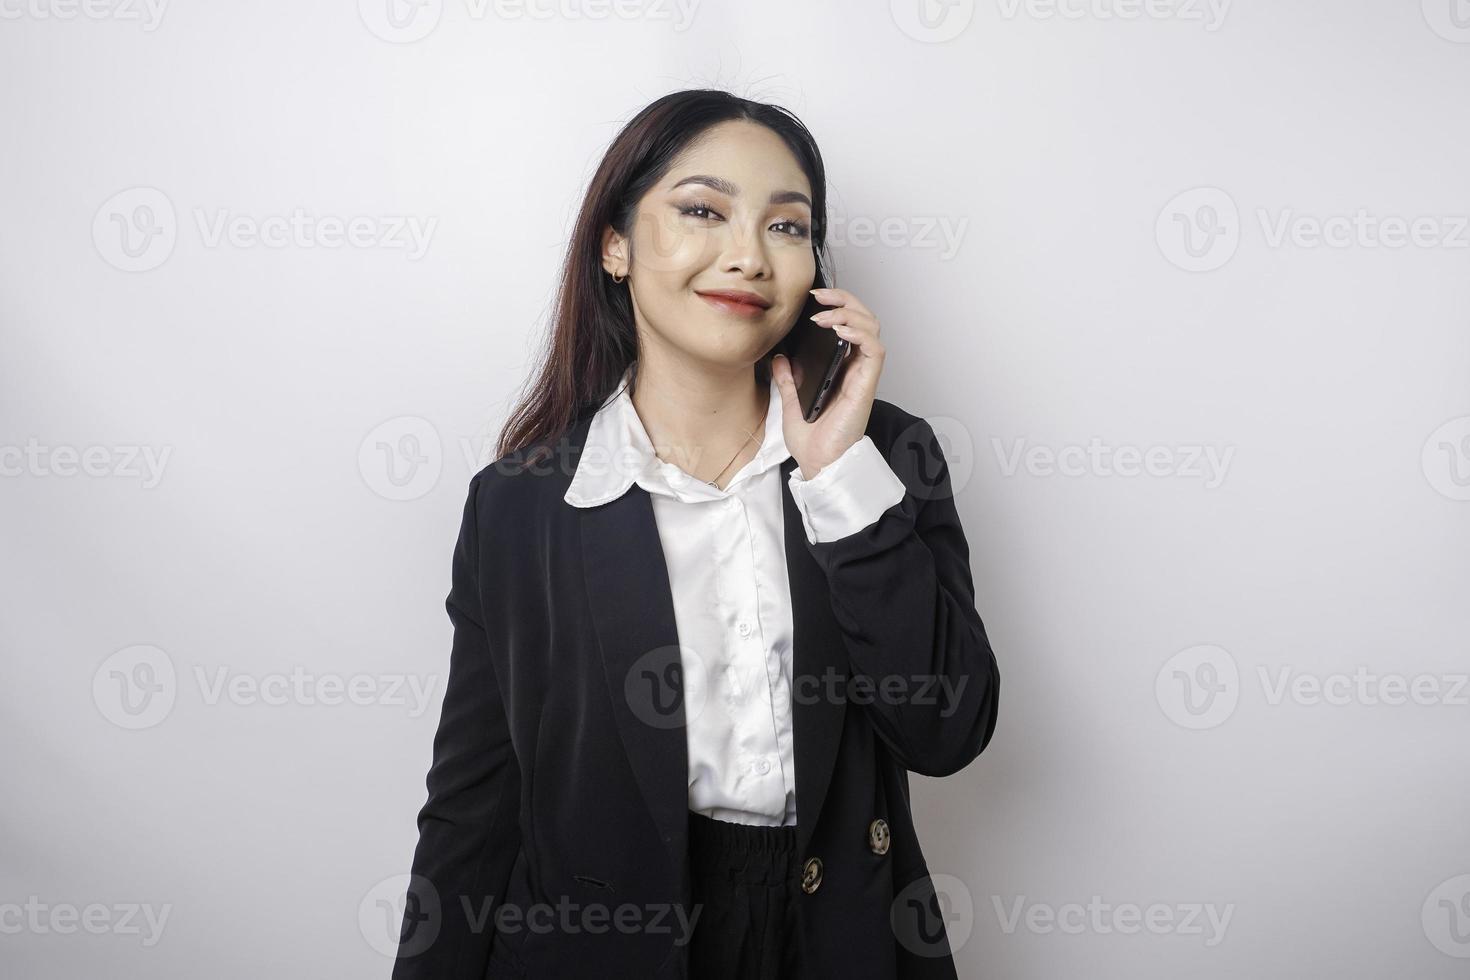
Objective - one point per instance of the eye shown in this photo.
(693, 208)
(799, 229)
(696, 209)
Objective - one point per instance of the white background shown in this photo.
(1063, 148)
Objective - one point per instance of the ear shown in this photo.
(614, 252)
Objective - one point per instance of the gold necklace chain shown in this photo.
(748, 436)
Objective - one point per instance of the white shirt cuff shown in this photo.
(849, 494)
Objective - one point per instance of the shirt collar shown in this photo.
(618, 453)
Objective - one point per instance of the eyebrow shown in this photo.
(730, 190)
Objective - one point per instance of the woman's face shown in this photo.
(733, 214)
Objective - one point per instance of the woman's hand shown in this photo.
(844, 419)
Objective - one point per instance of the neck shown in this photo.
(699, 416)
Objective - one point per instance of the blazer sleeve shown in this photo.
(468, 829)
(903, 595)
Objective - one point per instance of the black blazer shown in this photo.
(559, 770)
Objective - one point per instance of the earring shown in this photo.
(617, 279)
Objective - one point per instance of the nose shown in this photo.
(745, 253)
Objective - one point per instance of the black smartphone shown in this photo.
(817, 357)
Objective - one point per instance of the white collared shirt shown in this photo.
(726, 558)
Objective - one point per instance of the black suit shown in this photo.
(559, 771)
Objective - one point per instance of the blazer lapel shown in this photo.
(632, 606)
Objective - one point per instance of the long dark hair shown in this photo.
(593, 336)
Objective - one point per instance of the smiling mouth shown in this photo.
(729, 305)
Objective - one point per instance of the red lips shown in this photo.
(737, 296)
(736, 302)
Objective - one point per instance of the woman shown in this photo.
(698, 641)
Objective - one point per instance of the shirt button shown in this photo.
(763, 766)
(744, 629)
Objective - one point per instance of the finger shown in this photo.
(854, 318)
(864, 344)
(858, 329)
(786, 385)
(832, 296)
(859, 383)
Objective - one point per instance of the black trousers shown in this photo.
(746, 882)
